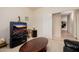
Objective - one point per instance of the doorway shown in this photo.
(62, 25)
(66, 25)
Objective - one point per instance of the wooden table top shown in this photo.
(34, 45)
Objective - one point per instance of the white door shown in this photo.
(56, 18)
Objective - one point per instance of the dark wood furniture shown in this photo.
(34, 33)
(35, 45)
(18, 33)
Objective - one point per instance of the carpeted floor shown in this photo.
(54, 45)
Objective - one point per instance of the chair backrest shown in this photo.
(71, 44)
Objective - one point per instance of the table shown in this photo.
(35, 45)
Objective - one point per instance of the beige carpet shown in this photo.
(54, 45)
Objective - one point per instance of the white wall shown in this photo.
(11, 14)
(74, 23)
(70, 23)
(43, 19)
(43, 22)
(77, 23)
